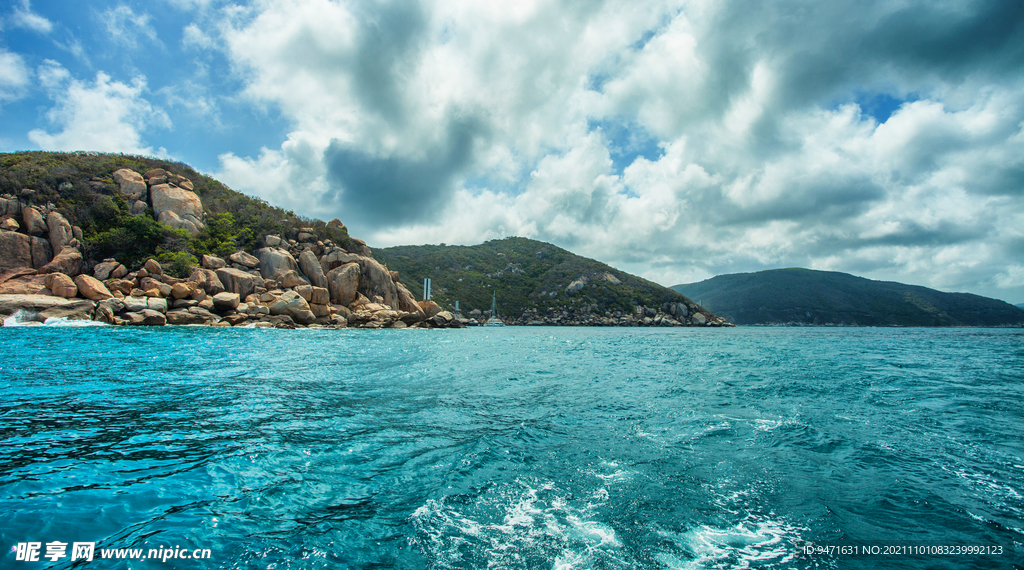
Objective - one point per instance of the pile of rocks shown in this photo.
(272, 288)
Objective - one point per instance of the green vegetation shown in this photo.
(526, 274)
(82, 187)
(808, 297)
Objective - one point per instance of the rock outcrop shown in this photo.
(238, 281)
(59, 231)
(174, 203)
(61, 285)
(132, 185)
(343, 283)
(68, 262)
(15, 251)
(274, 262)
(33, 221)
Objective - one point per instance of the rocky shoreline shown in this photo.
(667, 315)
(298, 281)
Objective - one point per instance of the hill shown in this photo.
(537, 283)
(82, 188)
(808, 297)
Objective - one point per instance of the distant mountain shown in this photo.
(808, 297)
(1019, 305)
(538, 283)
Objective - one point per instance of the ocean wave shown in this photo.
(22, 318)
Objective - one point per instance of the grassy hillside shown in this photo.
(808, 297)
(81, 186)
(525, 274)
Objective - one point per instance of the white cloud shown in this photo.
(462, 121)
(14, 76)
(104, 115)
(193, 37)
(125, 27)
(24, 17)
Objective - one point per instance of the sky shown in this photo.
(674, 139)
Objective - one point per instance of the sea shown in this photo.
(517, 447)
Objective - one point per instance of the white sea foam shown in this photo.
(761, 543)
(22, 318)
(515, 526)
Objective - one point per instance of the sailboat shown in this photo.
(494, 321)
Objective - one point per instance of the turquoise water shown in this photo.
(512, 448)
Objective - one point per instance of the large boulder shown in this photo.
(9, 224)
(34, 223)
(153, 267)
(92, 288)
(406, 300)
(42, 253)
(320, 296)
(9, 274)
(309, 265)
(238, 281)
(103, 269)
(15, 251)
(132, 185)
(206, 280)
(429, 308)
(242, 258)
(293, 305)
(189, 316)
(10, 207)
(336, 258)
(275, 261)
(42, 307)
(68, 262)
(189, 223)
(375, 280)
(213, 262)
(152, 318)
(183, 290)
(25, 285)
(59, 231)
(61, 285)
(343, 283)
(107, 308)
(173, 205)
(156, 304)
(135, 304)
(290, 279)
(226, 301)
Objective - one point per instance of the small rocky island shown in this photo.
(290, 282)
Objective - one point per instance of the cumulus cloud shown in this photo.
(102, 115)
(678, 139)
(14, 76)
(23, 17)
